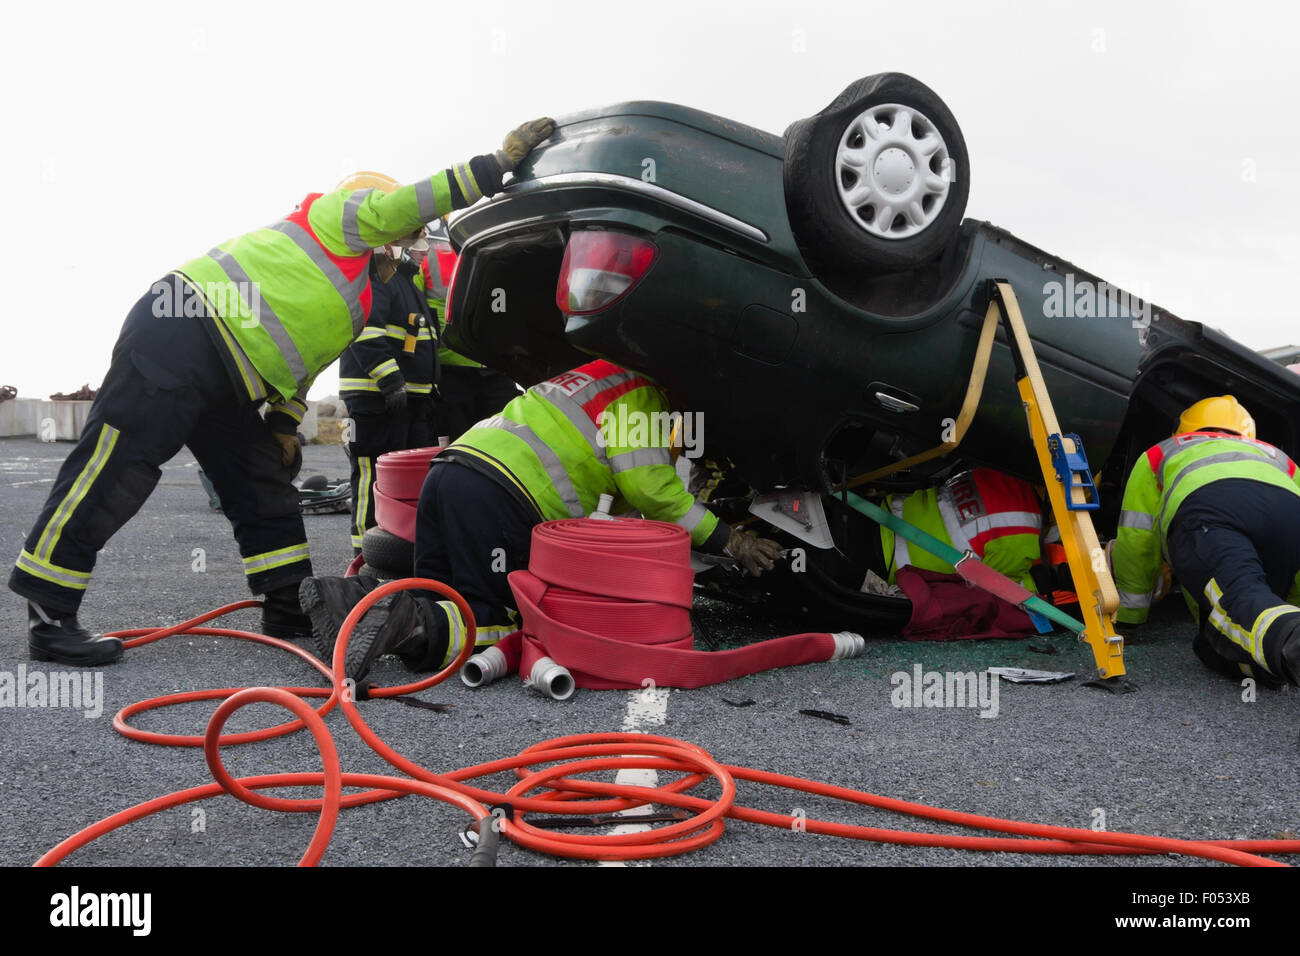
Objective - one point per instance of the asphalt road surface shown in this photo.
(1184, 756)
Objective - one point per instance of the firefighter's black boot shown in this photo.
(55, 636)
(1289, 652)
(282, 616)
(399, 624)
(328, 601)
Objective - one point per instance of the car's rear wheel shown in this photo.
(878, 180)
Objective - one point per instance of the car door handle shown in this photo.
(896, 404)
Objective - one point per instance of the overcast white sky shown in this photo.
(1155, 145)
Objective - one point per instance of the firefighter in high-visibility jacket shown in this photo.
(467, 390)
(994, 515)
(1223, 510)
(388, 375)
(550, 454)
(251, 322)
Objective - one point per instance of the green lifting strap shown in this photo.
(967, 565)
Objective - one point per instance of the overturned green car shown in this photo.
(817, 299)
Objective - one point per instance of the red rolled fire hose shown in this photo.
(610, 601)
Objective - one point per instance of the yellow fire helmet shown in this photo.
(366, 179)
(1221, 412)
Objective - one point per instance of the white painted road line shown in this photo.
(647, 707)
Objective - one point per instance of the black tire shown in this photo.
(377, 574)
(387, 552)
(844, 608)
(314, 483)
(821, 602)
(833, 240)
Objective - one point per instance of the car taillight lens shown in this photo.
(451, 284)
(599, 268)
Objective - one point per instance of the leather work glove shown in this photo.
(393, 388)
(290, 452)
(1164, 584)
(755, 554)
(519, 142)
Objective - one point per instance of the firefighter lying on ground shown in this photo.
(994, 515)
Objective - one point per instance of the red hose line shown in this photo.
(324, 742)
(120, 719)
(563, 760)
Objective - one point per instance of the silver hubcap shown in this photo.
(893, 171)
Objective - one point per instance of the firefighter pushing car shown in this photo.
(251, 322)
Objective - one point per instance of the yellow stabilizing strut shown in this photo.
(1098, 599)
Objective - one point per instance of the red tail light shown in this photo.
(450, 279)
(599, 269)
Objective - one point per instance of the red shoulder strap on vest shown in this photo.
(351, 266)
(1155, 457)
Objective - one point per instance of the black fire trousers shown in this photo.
(167, 388)
(470, 533)
(376, 432)
(1235, 548)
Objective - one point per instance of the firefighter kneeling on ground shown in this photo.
(1224, 509)
(387, 376)
(550, 454)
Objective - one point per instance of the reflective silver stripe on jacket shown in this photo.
(425, 203)
(951, 524)
(598, 385)
(576, 416)
(437, 288)
(625, 461)
(265, 315)
(694, 515)
(1137, 519)
(1128, 599)
(550, 461)
(351, 230)
(1219, 459)
(350, 292)
(1172, 446)
(961, 532)
(902, 557)
(1004, 519)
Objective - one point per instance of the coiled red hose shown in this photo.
(562, 788)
